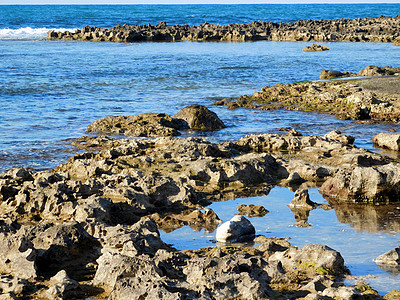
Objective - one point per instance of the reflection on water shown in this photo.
(360, 233)
(369, 218)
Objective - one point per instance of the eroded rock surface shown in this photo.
(196, 117)
(315, 48)
(360, 99)
(382, 29)
(90, 227)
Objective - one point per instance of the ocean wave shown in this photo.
(28, 33)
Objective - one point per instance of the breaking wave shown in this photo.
(27, 33)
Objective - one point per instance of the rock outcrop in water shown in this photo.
(196, 117)
(375, 99)
(89, 228)
(315, 48)
(382, 29)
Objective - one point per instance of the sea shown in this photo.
(50, 91)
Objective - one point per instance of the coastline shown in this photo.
(97, 215)
(381, 29)
(374, 98)
(96, 226)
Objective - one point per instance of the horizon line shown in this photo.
(286, 3)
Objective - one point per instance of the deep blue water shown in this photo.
(67, 16)
(51, 90)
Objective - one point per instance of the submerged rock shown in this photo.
(236, 230)
(315, 48)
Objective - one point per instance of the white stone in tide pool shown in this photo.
(236, 230)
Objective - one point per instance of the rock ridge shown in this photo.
(381, 29)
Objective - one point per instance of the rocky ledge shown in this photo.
(89, 228)
(373, 99)
(382, 29)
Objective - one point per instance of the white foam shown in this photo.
(28, 33)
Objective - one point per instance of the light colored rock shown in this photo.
(10, 284)
(237, 229)
(312, 259)
(392, 257)
(318, 284)
(387, 140)
(338, 136)
(63, 287)
(364, 184)
(302, 200)
(372, 70)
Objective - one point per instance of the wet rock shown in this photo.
(354, 30)
(364, 184)
(252, 210)
(148, 124)
(396, 42)
(63, 287)
(301, 205)
(338, 136)
(302, 200)
(329, 74)
(315, 48)
(392, 257)
(387, 140)
(373, 98)
(199, 117)
(236, 230)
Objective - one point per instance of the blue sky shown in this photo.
(184, 1)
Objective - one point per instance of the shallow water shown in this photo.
(51, 90)
(360, 235)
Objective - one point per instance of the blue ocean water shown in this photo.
(51, 90)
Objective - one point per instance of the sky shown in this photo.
(185, 1)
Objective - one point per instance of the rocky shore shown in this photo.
(90, 228)
(382, 29)
(374, 99)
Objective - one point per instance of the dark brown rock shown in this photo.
(199, 117)
(315, 48)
